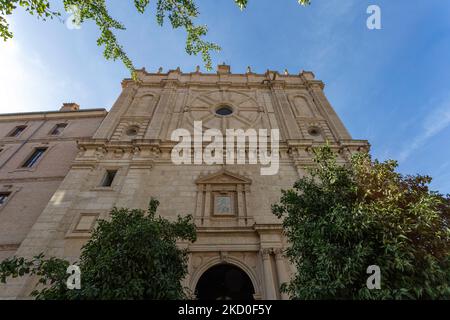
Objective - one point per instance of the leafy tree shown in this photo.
(181, 14)
(340, 219)
(132, 256)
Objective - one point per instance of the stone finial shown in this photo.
(249, 69)
(286, 72)
(197, 69)
(70, 106)
(308, 75)
(160, 70)
(223, 69)
(178, 69)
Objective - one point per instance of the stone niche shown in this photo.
(302, 107)
(143, 105)
(222, 200)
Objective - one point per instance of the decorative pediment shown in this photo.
(223, 177)
(222, 200)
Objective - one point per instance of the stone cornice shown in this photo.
(209, 229)
(84, 144)
(264, 228)
(224, 247)
(49, 115)
(233, 80)
(29, 179)
(48, 139)
(9, 247)
(297, 152)
(95, 143)
(354, 145)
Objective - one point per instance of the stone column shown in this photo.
(281, 271)
(208, 203)
(268, 275)
(159, 116)
(199, 206)
(242, 214)
(284, 111)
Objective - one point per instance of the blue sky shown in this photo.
(390, 86)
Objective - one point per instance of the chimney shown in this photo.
(70, 106)
(223, 69)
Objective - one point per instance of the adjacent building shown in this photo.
(127, 159)
(36, 152)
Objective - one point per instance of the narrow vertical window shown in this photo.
(109, 178)
(33, 159)
(17, 131)
(4, 197)
(58, 129)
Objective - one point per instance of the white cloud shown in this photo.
(28, 82)
(436, 121)
(21, 77)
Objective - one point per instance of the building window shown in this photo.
(17, 131)
(224, 111)
(132, 131)
(33, 159)
(224, 204)
(58, 129)
(4, 197)
(314, 131)
(109, 178)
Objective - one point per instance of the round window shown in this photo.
(133, 131)
(314, 131)
(224, 111)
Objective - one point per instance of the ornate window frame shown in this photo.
(222, 183)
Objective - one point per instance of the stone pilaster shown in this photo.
(281, 271)
(168, 96)
(269, 284)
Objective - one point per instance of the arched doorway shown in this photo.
(224, 282)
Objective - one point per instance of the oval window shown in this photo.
(314, 131)
(224, 111)
(133, 131)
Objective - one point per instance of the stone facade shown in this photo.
(134, 143)
(27, 190)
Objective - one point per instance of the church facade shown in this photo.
(128, 160)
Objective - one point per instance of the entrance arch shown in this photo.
(224, 282)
